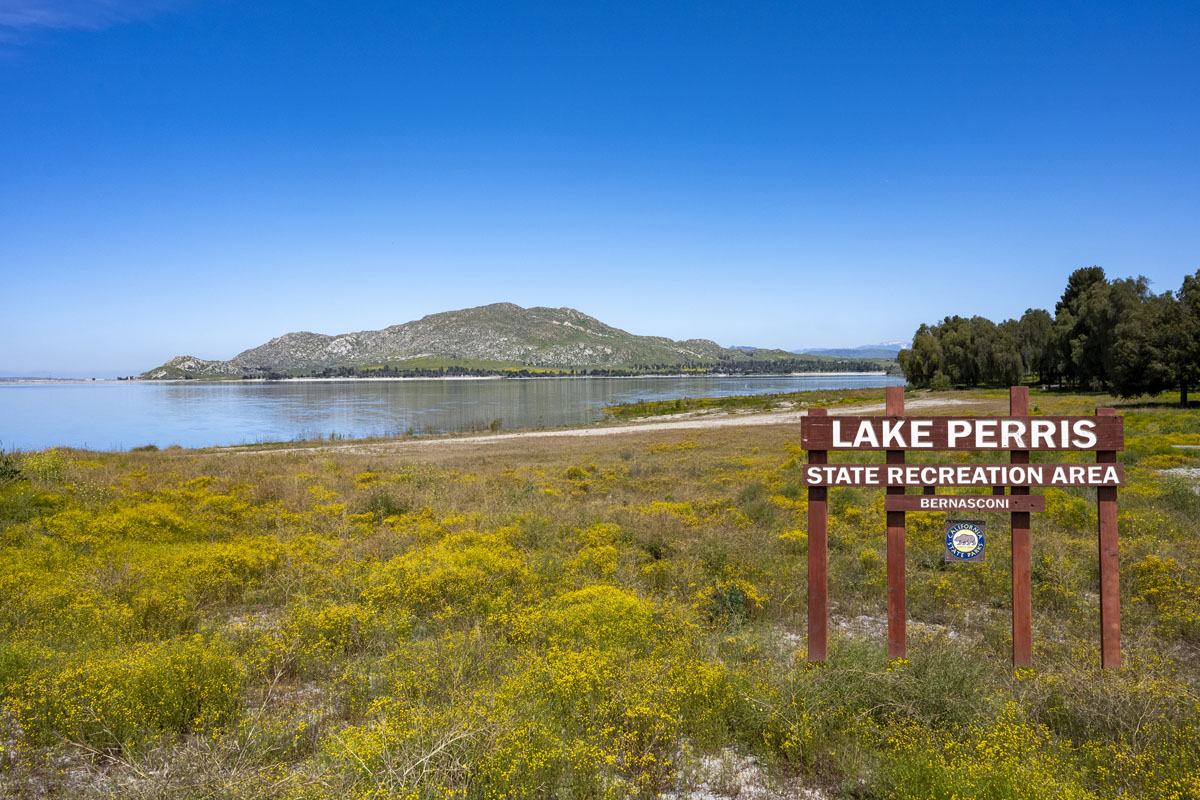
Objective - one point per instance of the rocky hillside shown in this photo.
(501, 332)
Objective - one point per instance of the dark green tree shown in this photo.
(1035, 335)
(1072, 326)
(1185, 351)
(1086, 324)
(1141, 357)
(924, 359)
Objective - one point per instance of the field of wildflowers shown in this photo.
(592, 617)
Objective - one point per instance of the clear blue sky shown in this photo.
(198, 176)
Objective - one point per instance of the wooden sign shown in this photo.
(962, 502)
(962, 433)
(964, 475)
(1017, 433)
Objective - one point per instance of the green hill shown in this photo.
(499, 338)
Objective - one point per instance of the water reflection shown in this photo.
(111, 415)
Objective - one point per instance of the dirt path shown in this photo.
(668, 423)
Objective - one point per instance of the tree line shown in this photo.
(1105, 335)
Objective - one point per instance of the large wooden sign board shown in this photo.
(1018, 434)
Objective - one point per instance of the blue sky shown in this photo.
(197, 176)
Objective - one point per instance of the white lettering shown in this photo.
(1043, 432)
(1012, 434)
(893, 437)
(957, 429)
(920, 432)
(838, 441)
(1085, 434)
(985, 433)
(866, 434)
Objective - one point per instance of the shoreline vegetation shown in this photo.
(513, 376)
(780, 368)
(741, 403)
(599, 616)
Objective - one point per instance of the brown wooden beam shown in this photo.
(1022, 586)
(818, 560)
(1110, 574)
(896, 605)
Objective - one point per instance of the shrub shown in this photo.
(1181, 495)
(734, 600)
(46, 466)
(794, 542)
(409, 752)
(869, 560)
(601, 723)
(10, 468)
(1175, 600)
(311, 639)
(461, 572)
(941, 382)
(598, 616)
(384, 504)
(1006, 758)
(116, 699)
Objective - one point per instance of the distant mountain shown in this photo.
(882, 350)
(499, 336)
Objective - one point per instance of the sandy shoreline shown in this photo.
(686, 421)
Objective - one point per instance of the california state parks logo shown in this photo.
(964, 540)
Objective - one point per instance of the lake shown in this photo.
(118, 415)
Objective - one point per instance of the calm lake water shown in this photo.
(105, 415)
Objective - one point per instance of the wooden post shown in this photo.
(897, 639)
(818, 559)
(1110, 576)
(1022, 588)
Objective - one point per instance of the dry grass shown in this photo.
(562, 615)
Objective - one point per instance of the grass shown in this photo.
(757, 402)
(583, 617)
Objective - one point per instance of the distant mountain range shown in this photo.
(882, 350)
(501, 337)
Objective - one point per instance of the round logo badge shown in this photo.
(964, 540)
